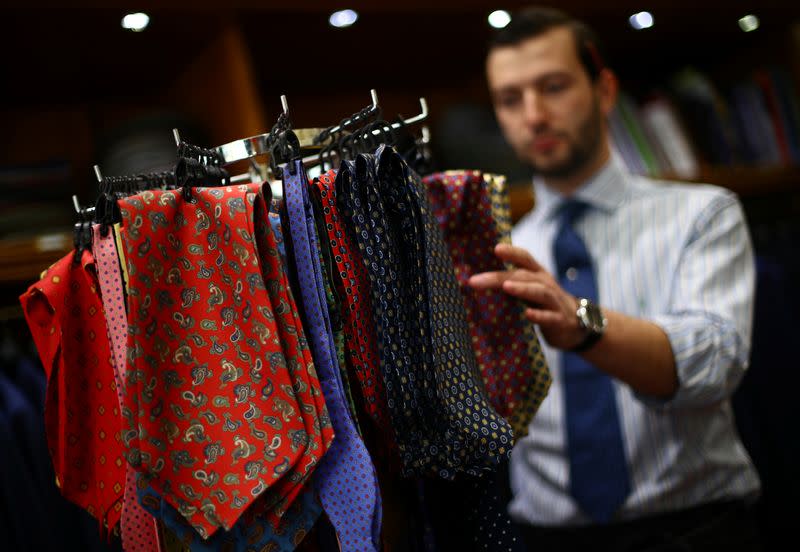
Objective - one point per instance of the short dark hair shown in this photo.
(535, 20)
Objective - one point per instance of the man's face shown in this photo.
(547, 106)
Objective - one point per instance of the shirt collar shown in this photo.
(605, 190)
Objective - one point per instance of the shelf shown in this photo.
(753, 181)
(747, 182)
(22, 260)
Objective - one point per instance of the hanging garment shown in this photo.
(352, 289)
(345, 478)
(211, 407)
(472, 211)
(359, 202)
(82, 420)
(477, 434)
(471, 513)
(333, 303)
(138, 529)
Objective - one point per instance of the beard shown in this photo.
(582, 148)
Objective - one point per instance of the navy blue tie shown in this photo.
(599, 479)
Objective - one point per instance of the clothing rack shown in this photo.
(253, 146)
(312, 140)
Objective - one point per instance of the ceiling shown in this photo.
(81, 54)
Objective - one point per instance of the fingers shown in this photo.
(543, 317)
(534, 293)
(517, 256)
(496, 279)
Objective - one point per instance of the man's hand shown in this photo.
(632, 349)
(548, 305)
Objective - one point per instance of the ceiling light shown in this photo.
(499, 19)
(748, 23)
(641, 20)
(343, 18)
(135, 22)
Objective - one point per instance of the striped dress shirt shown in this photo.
(681, 257)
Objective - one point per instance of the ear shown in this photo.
(607, 87)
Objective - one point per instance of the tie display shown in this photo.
(472, 211)
(82, 419)
(225, 379)
(345, 478)
(138, 529)
(599, 478)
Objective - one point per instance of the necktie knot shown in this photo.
(570, 211)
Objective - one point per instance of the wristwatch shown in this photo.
(591, 319)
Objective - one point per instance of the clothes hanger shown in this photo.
(106, 211)
(322, 144)
(339, 147)
(82, 230)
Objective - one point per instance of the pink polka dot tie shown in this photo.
(139, 529)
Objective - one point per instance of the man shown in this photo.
(643, 293)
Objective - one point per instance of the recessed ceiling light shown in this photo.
(748, 23)
(136, 22)
(641, 20)
(499, 19)
(343, 18)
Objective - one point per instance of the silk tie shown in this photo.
(472, 211)
(333, 302)
(285, 513)
(360, 203)
(138, 529)
(345, 478)
(479, 437)
(598, 468)
(82, 419)
(351, 282)
(209, 402)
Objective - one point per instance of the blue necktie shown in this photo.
(345, 478)
(599, 479)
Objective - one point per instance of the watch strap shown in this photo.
(587, 342)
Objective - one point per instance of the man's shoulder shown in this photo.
(692, 196)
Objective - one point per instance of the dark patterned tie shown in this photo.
(481, 520)
(360, 204)
(598, 469)
(345, 478)
(471, 513)
(471, 209)
(478, 436)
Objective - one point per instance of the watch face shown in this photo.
(590, 316)
(595, 318)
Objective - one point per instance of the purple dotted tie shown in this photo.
(345, 478)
